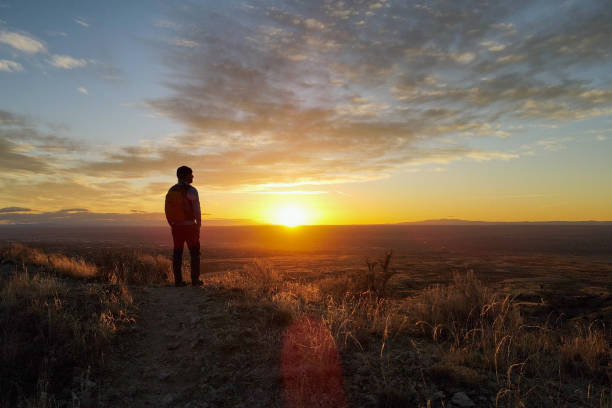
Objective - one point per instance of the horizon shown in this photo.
(91, 220)
(377, 112)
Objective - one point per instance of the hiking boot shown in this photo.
(180, 284)
(197, 283)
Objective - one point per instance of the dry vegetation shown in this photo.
(395, 351)
(55, 329)
(462, 336)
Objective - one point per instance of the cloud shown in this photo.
(57, 33)
(493, 46)
(83, 217)
(182, 42)
(67, 62)
(554, 143)
(26, 146)
(22, 42)
(10, 66)
(278, 94)
(7, 210)
(81, 21)
(30, 45)
(82, 90)
(314, 93)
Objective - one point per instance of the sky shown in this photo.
(338, 112)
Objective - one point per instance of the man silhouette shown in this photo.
(182, 210)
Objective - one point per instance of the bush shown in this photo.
(463, 310)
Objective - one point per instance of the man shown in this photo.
(183, 214)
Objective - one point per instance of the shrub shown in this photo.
(463, 310)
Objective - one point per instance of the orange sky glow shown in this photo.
(317, 112)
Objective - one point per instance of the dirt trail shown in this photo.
(195, 347)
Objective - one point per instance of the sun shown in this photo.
(291, 216)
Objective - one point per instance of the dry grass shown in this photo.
(528, 359)
(135, 268)
(310, 366)
(74, 267)
(476, 335)
(587, 350)
(481, 335)
(113, 266)
(464, 311)
(52, 330)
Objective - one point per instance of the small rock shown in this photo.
(172, 346)
(163, 376)
(462, 400)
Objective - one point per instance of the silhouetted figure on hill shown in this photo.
(183, 214)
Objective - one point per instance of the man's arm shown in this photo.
(197, 213)
(166, 210)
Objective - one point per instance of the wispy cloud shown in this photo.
(10, 66)
(22, 42)
(81, 21)
(25, 146)
(67, 62)
(7, 210)
(83, 90)
(182, 42)
(57, 33)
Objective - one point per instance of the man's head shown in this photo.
(185, 174)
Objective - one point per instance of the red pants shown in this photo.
(191, 235)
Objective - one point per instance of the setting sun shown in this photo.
(291, 216)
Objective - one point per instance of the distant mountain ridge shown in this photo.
(454, 221)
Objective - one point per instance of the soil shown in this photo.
(193, 347)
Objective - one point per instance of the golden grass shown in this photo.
(587, 350)
(480, 334)
(137, 268)
(74, 267)
(52, 330)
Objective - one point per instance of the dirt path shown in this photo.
(195, 347)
